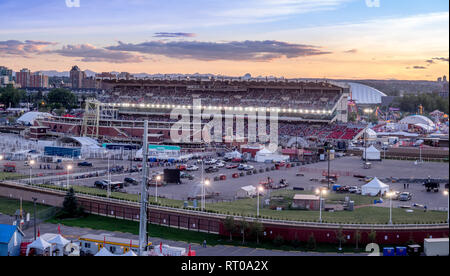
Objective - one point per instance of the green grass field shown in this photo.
(10, 176)
(9, 206)
(247, 207)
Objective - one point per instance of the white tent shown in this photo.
(29, 117)
(266, 155)
(374, 187)
(60, 243)
(370, 134)
(247, 191)
(40, 245)
(372, 154)
(233, 154)
(104, 253)
(129, 254)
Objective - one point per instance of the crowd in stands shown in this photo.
(252, 97)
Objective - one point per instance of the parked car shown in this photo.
(210, 162)
(248, 168)
(85, 164)
(192, 168)
(232, 166)
(220, 164)
(185, 175)
(211, 170)
(182, 167)
(101, 184)
(405, 196)
(354, 190)
(241, 167)
(131, 181)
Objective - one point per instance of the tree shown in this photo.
(58, 98)
(70, 204)
(311, 244)
(11, 97)
(230, 226)
(372, 236)
(243, 225)
(256, 229)
(340, 237)
(357, 238)
(278, 241)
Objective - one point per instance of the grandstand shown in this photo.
(312, 110)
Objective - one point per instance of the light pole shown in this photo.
(34, 201)
(321, 192)
(448, 205)
(109, 180)
(158, 178)
(390, 195)
(259, 190)
(204, 184)
(31, 167)
(69, 168)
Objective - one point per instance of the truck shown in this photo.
(435, 247)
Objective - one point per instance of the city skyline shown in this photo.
(335, 39)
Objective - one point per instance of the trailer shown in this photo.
(435, 247)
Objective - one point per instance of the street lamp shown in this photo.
(321, 192)
(204, 184)
(69, 168)
(260, 190)
(31, 167)
(448, 205)
(158, 178)
(390, 195)
(328, 148)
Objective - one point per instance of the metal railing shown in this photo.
(247, 218)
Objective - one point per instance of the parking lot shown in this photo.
(345, 167)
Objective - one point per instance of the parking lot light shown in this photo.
(31, 168)
(158, 178)
(260, 190)
(390, 194)
(69, 168)
(320, 192)
(448, 205)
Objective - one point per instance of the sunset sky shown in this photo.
(355, 39)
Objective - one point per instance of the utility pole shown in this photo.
(144, 198)
(34, 217)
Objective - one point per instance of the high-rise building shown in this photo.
(76, 77)
(5, 72)
(38, 80)
(23, 77)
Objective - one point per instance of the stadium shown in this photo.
(311, 110)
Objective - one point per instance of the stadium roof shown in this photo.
(363, 94)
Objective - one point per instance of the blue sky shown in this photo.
(91, 33)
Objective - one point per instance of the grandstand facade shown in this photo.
(315, 110)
